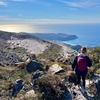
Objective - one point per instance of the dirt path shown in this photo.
(76, 94)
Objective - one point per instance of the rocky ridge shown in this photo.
(23, 45)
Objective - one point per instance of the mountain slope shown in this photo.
(23, 45)
(12, 51)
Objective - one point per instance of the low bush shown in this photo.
(50, 87)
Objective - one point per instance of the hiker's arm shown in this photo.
(74, 63)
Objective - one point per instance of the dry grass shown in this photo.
(8, 74)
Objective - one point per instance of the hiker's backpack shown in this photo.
(81, 63)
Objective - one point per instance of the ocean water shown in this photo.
(88, 34)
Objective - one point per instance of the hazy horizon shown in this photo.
(49, 11)
(48, 28)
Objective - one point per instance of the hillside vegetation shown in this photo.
(49, 87)
(6, 79)
(94, 55)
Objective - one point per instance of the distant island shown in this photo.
(56, 37)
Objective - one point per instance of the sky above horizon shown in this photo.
(18, 12)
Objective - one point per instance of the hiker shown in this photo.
(80, 65)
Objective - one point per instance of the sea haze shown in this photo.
(88, 34)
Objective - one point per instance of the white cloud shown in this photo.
(82, 3)
(2, 3)
(22, 0)
(7, 20)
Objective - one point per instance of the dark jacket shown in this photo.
(74, 64)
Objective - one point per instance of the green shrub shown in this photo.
(50, 88)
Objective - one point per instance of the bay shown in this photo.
(88, 34)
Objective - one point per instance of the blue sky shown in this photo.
(49, 11)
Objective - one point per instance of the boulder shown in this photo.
(30, 93)
(17, 86)
(33, 66)
(35, 76)
(55, 68)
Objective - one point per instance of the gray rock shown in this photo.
(29, 94)
(35, 76)
(17, 86)
(54, 69)
(8, 58)
(33, 66)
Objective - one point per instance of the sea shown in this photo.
(88, 34)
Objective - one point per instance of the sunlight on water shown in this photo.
(88, 34)
(17, 28)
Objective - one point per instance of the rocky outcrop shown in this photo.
(32, 46)
(8, 58)
(54, 69)
(29, 94)
(38, 46)
(35, 76)
(18, 46)
(17, 86)
(33, 66)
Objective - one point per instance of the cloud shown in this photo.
(2, 3)
(82, 3)
(22, 0)
(8, 20)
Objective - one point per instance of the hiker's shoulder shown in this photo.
(81, 55)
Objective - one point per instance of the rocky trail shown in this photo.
(76, 93)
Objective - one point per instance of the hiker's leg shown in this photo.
(83, 79)
(78, 79)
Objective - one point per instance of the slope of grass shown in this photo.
(51, 53)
